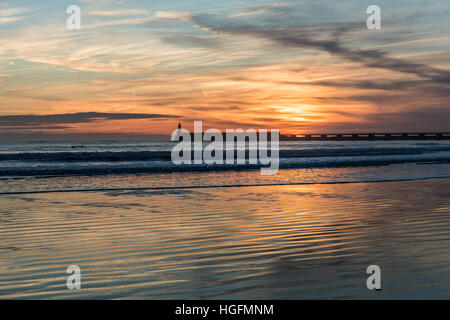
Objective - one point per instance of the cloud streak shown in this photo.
(8, 15)
(326, 39)
(54, 121)
(117, 13)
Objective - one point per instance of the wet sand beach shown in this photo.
(254, 242)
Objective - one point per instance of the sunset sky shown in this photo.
(299, 66)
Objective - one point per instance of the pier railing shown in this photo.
(366, 136)
(356, 136)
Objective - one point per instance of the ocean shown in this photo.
(31, 167)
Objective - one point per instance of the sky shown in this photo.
(140, 67)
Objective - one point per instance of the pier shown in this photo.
(366, 136)
(402, 136)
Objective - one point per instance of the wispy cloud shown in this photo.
(254, 10)
(60, 121)
(186, 16)
(8, 15)
(327, 39)
(118, 12)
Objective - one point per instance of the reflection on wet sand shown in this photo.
(307, 241)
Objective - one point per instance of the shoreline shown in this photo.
(219, 186)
